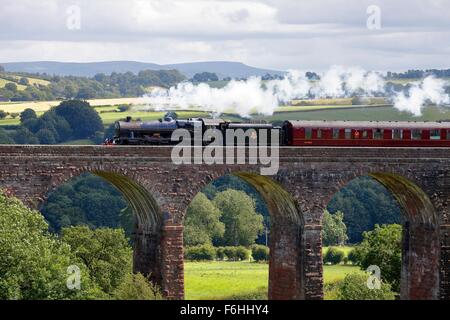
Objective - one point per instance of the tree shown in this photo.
(83, 119)
(365, 203)
(5, 138)
(25, 136)
(45, 136)
(88, 200)
(382, 247)
(27, 114)
(3, 114)
(205, 77)
(10, 86)
(24, 81)
(242, 223)
(334, 229)
(33, 264)
(105, 252)
(202, 223)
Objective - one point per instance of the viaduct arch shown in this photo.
(159, 192)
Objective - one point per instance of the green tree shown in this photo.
(105, 252)
(5, 138)
(46, 136)
(25, 136)
(365, 203)
(27, 114)
(83, 119)
(10, 86)
(24, 81)
(242, 223)
(202, 223)
(334, 229)
(33, 264)
(382, 247)
(3, 114)
(88, 200)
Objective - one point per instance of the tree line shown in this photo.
(103, 86)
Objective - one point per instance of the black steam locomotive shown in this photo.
(132, 132)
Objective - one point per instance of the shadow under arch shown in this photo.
(420, 243)
(286, 276)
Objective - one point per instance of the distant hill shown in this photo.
(221, 68)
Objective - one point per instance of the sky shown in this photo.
(378, 35)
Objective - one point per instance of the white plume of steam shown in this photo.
(246, 97)
(430, 90)
(255, 96)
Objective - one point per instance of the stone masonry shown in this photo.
(160, 191)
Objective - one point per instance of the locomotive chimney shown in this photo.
(128, 119)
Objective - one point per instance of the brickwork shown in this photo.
(160, 191)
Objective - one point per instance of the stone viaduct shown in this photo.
(159, 192)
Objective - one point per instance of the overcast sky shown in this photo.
(277, 34)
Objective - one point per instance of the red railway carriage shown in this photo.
(366, 133)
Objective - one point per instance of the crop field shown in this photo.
(217, 280)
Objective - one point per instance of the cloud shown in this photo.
(281, 34)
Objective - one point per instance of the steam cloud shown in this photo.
(430, 90)
(254, 96)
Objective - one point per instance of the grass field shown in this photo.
(219, 280)
(228, 280)
(3, 82)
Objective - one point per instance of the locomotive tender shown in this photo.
(294, 133)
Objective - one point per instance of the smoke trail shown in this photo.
(254, 96)
(430, 90)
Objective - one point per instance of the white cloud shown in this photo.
(279, 34)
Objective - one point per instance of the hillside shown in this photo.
(221, 68)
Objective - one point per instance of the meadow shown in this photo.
(219, 280)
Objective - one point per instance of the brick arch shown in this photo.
(148, 234)
(286, 264)
(420, 240)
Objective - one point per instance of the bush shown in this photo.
(200, 253)
(220, 253)
(230, 253)
(124, 108)
(137, 287)
(242, 253)
(333, 256)
(353, 257)
(354, 287)
(260, 253)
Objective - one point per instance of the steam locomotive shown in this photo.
(291, 133)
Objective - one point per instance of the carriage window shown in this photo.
(397, 134)
(336, 133)
(365, 134)
(416, 134)
(435, 134)
(378, 134)
(348, 133)
(319, 133)
(308, 133)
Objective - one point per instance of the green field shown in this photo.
(217, 280)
